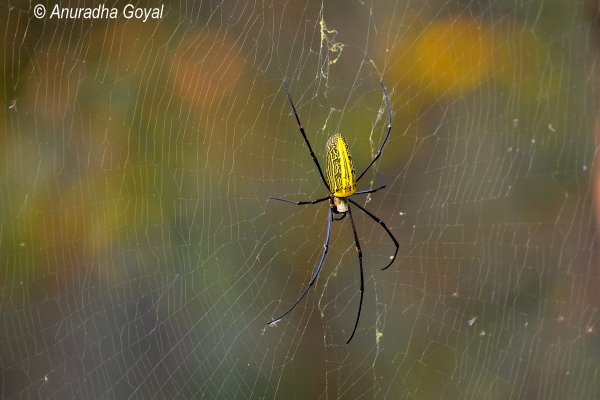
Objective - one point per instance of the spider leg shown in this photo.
(312, 153)
(362, 278)
(300, 202)
(370, 190)
(380, 222)
(387, 134)
(340, 218)
(315, 275)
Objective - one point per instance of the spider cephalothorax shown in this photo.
(339, 205)
(341, 183)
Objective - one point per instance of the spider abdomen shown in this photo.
(340, 173)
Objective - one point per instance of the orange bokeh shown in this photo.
(205, 68)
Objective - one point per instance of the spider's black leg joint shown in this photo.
(370, 190)
(312, 153)
(340, 218)
(300, 202)
(315, 275)
(387, 134)
(362, 277)
(380, 222)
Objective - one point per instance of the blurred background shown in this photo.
(140, 257)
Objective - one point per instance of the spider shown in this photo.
(340, 180)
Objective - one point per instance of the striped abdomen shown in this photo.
(340, 172)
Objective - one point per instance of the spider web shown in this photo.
(140, 257)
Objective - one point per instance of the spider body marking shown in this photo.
(341, 182)
(339, 170)
(340, 173)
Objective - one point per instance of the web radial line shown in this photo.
(312, 153)
(380, 222)
(387, 134)
(315, 275)
(300, 202)
(370, 190)
(362, 277)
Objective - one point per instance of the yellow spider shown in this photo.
(340, 180)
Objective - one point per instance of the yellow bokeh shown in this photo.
(451, 56)
(442, 57)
